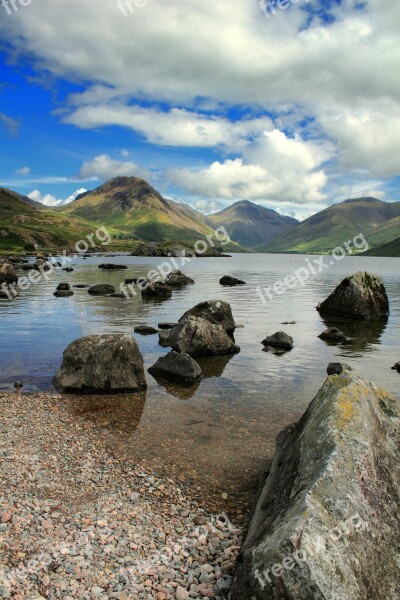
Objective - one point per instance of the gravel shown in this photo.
(77, 522)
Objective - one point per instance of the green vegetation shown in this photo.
(389, 249)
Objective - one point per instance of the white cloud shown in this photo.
(50, 200)
(103, 167)
(23, 171)
(10, 125)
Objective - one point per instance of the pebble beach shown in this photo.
(77, 521)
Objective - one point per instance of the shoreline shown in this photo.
(78, 521)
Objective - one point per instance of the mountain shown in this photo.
(251, 224)
(333, 226)
(387, 232)
(132, 206)
(25, 223)
(391, 248)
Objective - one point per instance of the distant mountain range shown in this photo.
(332, 227)
(133, 211)
(251, 224)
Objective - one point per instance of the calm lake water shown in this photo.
(220, 434)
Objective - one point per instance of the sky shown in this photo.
(294, 105)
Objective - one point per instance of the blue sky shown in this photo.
(293, 108)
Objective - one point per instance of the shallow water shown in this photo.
(220, 434)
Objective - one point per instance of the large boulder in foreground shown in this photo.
(177, 367)
(216, 312)
(327, 519)
(101, 364)
(198, 337)
(361, 296)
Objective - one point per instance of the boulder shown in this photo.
(327, 518)
(231, 281)
(163, 337)
(101, 364)
(280, 340)
(81, 286)
(102, 289)
(361, 296)
(177, 367)
(159, 289)
(178, 279)
(65, 287)
(112, 267)
(166, 325)
(216, 312)
(63, 293)
(145, 330)
(334, 336)
(198, 337)
(396, 367)
(68, 269)
(337, 368)
(8, 274)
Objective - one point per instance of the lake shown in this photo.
(219, 435)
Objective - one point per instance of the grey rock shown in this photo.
(158, 289)
(216, 312)
(166, 325)
(163, 337)
(63, 287)
(337, 368)
(8, 274)
(231, 281)
(112, 267)
(331, 492)
(177, 367)
(101, 364)
(335, 336)
(396, 367)
(178, 279)
(101, 289)
(68, 269)
(145, 330)
(280, 340)
(361, 296)
(63, 293)
(198, 337)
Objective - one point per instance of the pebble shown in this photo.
(76, 522)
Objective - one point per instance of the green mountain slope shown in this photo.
(25, 224)
(132, 206)
(251, 224)
(333, 226)
(386, 232)
(389, 249)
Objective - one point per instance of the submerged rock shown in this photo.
(178, 279)
(198, 337)
(112, 267)
(102, 289)
(280, 340)
(216, 312)
(335, 336)
(145, 330)
(231, 281)
(327, 518)
(177, 367)
(361, 296)
(101, 364)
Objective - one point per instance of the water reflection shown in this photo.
(364, 334)
(214, 366)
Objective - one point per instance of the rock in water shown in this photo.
(361, 296)
(102, 289)
(101, 364)
(145, 330)
(396, 367)
(198, 337)
(214, 311)
(335, 336)
(231, 281)
(337, 368)
(8, 274)
(280, 339)
(112, 267)
(332, 490)
(177, 367)
(178, 279)
(159, 289)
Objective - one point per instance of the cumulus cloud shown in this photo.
(23, 171)
(50, 200)
(200, 59)
(103, 167)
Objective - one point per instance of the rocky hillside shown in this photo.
(251, 224)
